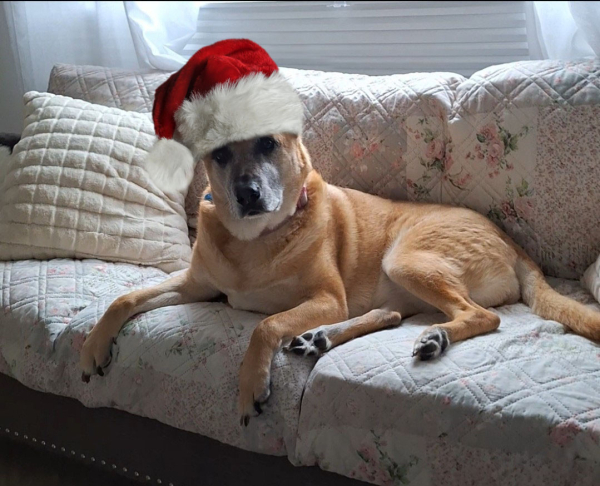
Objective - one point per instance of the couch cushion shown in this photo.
(177, 364)
(118, 88)
(75, 186)
(520, 405)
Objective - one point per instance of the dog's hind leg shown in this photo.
(182, 289)
(323, 338)
(435, 280)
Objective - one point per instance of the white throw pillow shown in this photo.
(75, 187)
(591, 279)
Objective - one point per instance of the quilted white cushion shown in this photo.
(75, 186)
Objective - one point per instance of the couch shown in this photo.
(518, 142)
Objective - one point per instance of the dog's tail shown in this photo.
(549, 304)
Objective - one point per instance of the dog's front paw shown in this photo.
(255, 389)
(96, 354)
(311, 343)
(431, 343)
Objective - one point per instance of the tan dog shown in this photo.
(332, 264)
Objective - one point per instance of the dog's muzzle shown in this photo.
(247, 194)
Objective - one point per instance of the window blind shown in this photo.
(376, 37)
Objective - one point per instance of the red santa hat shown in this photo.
(227, 92)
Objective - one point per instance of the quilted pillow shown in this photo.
(75, 187)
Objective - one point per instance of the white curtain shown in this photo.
(160, 31)
(569, 30)
(45, 33)
(36, 35)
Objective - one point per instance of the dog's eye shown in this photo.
(221, 155)
(265, 145)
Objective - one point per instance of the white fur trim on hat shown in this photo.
(170, 165)
(254, 106)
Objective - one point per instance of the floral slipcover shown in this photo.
(517, 142)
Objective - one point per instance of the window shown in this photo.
(376, 37)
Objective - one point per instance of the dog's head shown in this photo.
(256, 183)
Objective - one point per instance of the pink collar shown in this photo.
(301, 204)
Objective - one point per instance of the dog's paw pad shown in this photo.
(431, 344)
(310, 344)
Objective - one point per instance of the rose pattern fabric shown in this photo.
(379, 467)
(495, 143)
(515, 208)
(437, 162)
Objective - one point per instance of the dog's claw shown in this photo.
(257, 408)
(245, 420)
(85, 377)
(100, 371)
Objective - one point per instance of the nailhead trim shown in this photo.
(73, 453)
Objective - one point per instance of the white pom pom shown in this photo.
(170, 166)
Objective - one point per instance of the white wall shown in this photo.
(11, 104)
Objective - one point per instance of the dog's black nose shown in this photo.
(248, 196)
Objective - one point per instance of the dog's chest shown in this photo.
(268, 296)
(267, 300)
